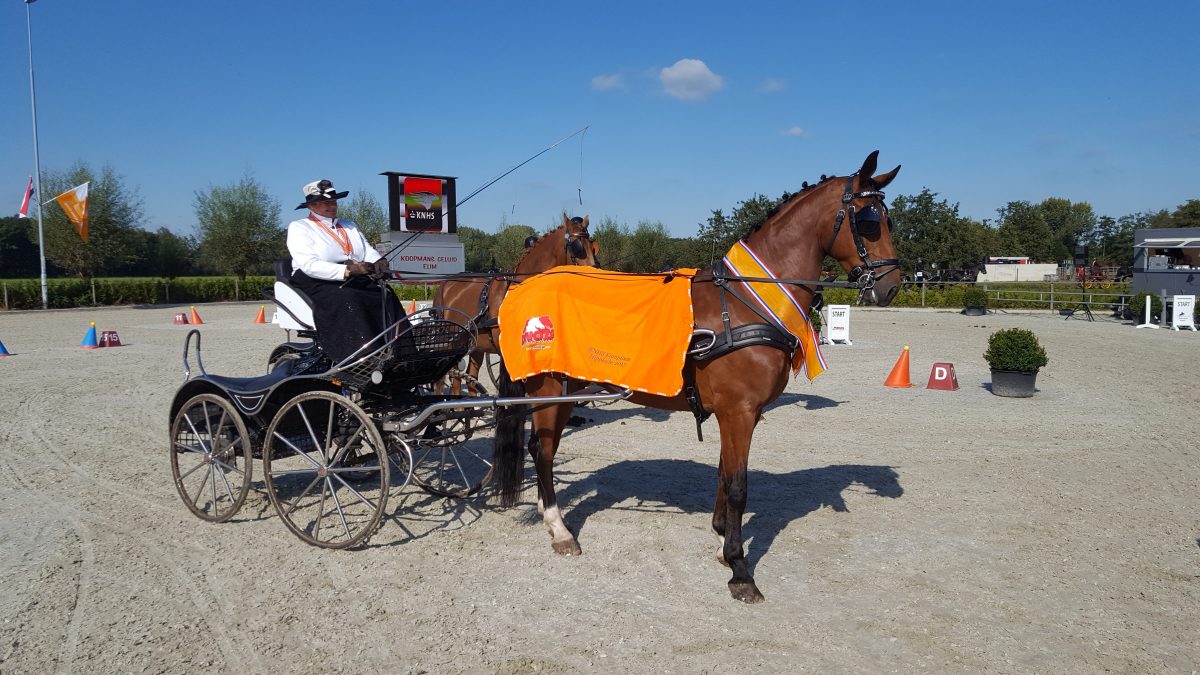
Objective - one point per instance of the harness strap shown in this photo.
(749, 335)
(693, 398)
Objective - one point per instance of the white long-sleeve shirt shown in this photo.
(318, 251)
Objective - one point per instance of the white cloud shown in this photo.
(689, 80)
(608, 82)
(773, 84)
(795, 131)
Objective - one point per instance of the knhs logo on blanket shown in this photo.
(538, 333)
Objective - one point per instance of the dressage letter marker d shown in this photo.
(942, 377)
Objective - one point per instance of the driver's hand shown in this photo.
(382, 268)
(359, 269)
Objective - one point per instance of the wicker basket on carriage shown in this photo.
(415, 351)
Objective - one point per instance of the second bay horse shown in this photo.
(843, 217)
(568, 244)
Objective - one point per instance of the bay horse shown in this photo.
(568, 244)
(844, 217)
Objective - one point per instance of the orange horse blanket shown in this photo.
(631, 330)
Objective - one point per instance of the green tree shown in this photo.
(114, 217)
(477, 249)
(721, 231)
(239, 227)
(649, 249)
(171, 255)
(1023, 232)
(613, 240)
(1068, 223)
(509, 244)
(1187, 215)
(926, 231)
(367, 213)
(18, 248)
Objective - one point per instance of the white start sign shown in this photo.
(1184, 313)
(837, 324)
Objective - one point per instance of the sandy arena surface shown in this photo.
(889, 529)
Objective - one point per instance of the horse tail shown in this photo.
(508, 445)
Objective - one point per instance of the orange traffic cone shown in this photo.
(89, 338)
(195, 316)
(3, 351)
(412, 306)
(899, 376)
(262, 314)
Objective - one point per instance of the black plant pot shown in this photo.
(974, 311)
(1013, 383)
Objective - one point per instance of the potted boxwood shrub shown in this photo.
(1015, 357)
(975, 301)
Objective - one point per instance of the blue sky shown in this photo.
(690, 107)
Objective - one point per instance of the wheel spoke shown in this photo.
(225, 482)
(320, 510)
(341, 514)
(355, 492)
(328, 434)
(312, 434)
(297, 450)
(296, 502)
(189, 471)
(349, 442)
(200, 488)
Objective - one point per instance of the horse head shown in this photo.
(579, 245)
(860, 235)
(567, 244)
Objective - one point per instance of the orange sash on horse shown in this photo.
(630, 330)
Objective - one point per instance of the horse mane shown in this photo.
(805, 188)
(542, 236)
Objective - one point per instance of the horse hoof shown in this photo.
(745, 591)
(566, 547)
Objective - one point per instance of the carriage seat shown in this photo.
(296, 307)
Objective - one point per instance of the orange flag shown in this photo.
(74, 203)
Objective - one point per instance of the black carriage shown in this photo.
(334, 439)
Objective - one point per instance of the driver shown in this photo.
(333, 265)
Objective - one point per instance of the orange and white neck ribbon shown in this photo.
(779, 304)
(337, 232)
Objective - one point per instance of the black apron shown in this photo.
(348, 316)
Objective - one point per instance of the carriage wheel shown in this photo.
(446, 464)
(326, 469)
(492, 363)
(210, 457)
(281, 353)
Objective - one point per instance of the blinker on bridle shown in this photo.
(867, 221)
(575, 247)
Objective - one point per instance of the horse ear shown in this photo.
(883, 179)
(869, 164)
(585, 222)
(566, 219)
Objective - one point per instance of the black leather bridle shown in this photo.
(575, 246)
(867, 221)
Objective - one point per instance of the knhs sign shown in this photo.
(421, 203)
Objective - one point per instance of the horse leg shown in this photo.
(548, 426)
(474, 361)
(718, 517)
(737, 427)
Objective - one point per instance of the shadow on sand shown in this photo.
(686, 486)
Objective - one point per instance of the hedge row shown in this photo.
(66, 293)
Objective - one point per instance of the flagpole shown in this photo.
(37, 161)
